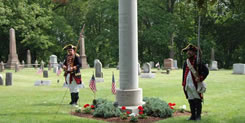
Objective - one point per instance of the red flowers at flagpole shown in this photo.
(171, 105)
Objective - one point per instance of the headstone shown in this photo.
(53, 61)
(1, 79)
(175, 64)
(13, 56)
(152, 64)
(158, 65)
(129, 94)
(95, 61)
(1, 66)
(28, 58)
(214, 65)
(146, 68)
(83, 56)
(139, 69)
(55, 69)
(36, 64)
(238, 68)
(42, 82)
(168, 63)
(45, 74)
(16, 67)
(49, 66)
(42, 65)
(23, 64)
(8, 81)
(98, 72)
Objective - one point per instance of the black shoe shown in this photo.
(198, 118)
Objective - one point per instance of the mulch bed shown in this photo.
(149, 119)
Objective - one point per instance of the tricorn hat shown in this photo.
(69, 46)
(190, 47)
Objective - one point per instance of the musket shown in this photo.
(80, 37)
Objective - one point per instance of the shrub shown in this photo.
(157, 108)
(99, 101)
(106, 110)
(134, 119)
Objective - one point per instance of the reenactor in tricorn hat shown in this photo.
(193, 75)
(72, 74)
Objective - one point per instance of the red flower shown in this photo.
(92, 106)
(128, 112)
(123, 108)
(171, 107)
(140, 108)
(141, 112)
(86, 105)
(171, 104)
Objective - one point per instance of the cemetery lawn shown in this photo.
(25, 103)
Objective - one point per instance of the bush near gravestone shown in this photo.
(157, 108)
(106, 110)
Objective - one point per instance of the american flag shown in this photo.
(113, 85)
(58, 72)
(92, 84)
(39, 71)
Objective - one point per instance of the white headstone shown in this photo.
(53, 61)
(214, 65)
(175, 64)
(146, 68)
(238, 68)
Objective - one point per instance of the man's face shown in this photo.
(190, 53)
(70, 51)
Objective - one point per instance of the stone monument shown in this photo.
(214, 64)
(28, 58)
(147, 71)
(129, 94)
(8, 81)
(82, 52)
(53, 61)
(13, 56)
(98, 72)
(238, 68)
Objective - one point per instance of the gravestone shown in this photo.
(95, 61)
(152, 64)
(128, 94)
(98, 72)
(53, 61)
(1, 79)
(42, 65)
(36, 64)
(147, 71)
(214, 65)
(175, 64)
(238, 68)
(1, 66)
(42, 82)
(23, 64)
(13, 56)
(8, 81)
(55, 69)
(29, 58)
(168, 63)
(49, 66)
(17, 67)
(45, 74)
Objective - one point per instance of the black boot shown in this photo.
(72, 98)
(192, 107)
(198, 108)
(76, 98)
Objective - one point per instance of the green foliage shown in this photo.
(123, 116)
(134, 119)
(106, 110)
(87, 110)
(157, 108)
(99, 101)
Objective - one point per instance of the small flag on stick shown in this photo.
(113, 85)
(92, 84)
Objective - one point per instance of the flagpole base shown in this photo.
(129, 97)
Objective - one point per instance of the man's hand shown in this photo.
(197, 79)
(64, 67)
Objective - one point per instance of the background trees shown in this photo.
(165, 27)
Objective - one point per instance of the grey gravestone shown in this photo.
(53, 61)
(1, 79)
(28, 58)
(238, 68)
(13, 56)
(95, 61)
(36, 64)
(8, 79)
(175, 64)
(16, 67)
(42, 82)
(98, 72)
(82, 52)
(147, 71)
(1, 66)
(152, 64)
(45, 74)
(139, 69)
(214, 65)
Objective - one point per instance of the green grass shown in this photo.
(25, 103)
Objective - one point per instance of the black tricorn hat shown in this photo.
(190, 47)
(69, 46)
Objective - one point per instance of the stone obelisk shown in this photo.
(82, 53)
(13, 56)
(128, 94)
(28, 58)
